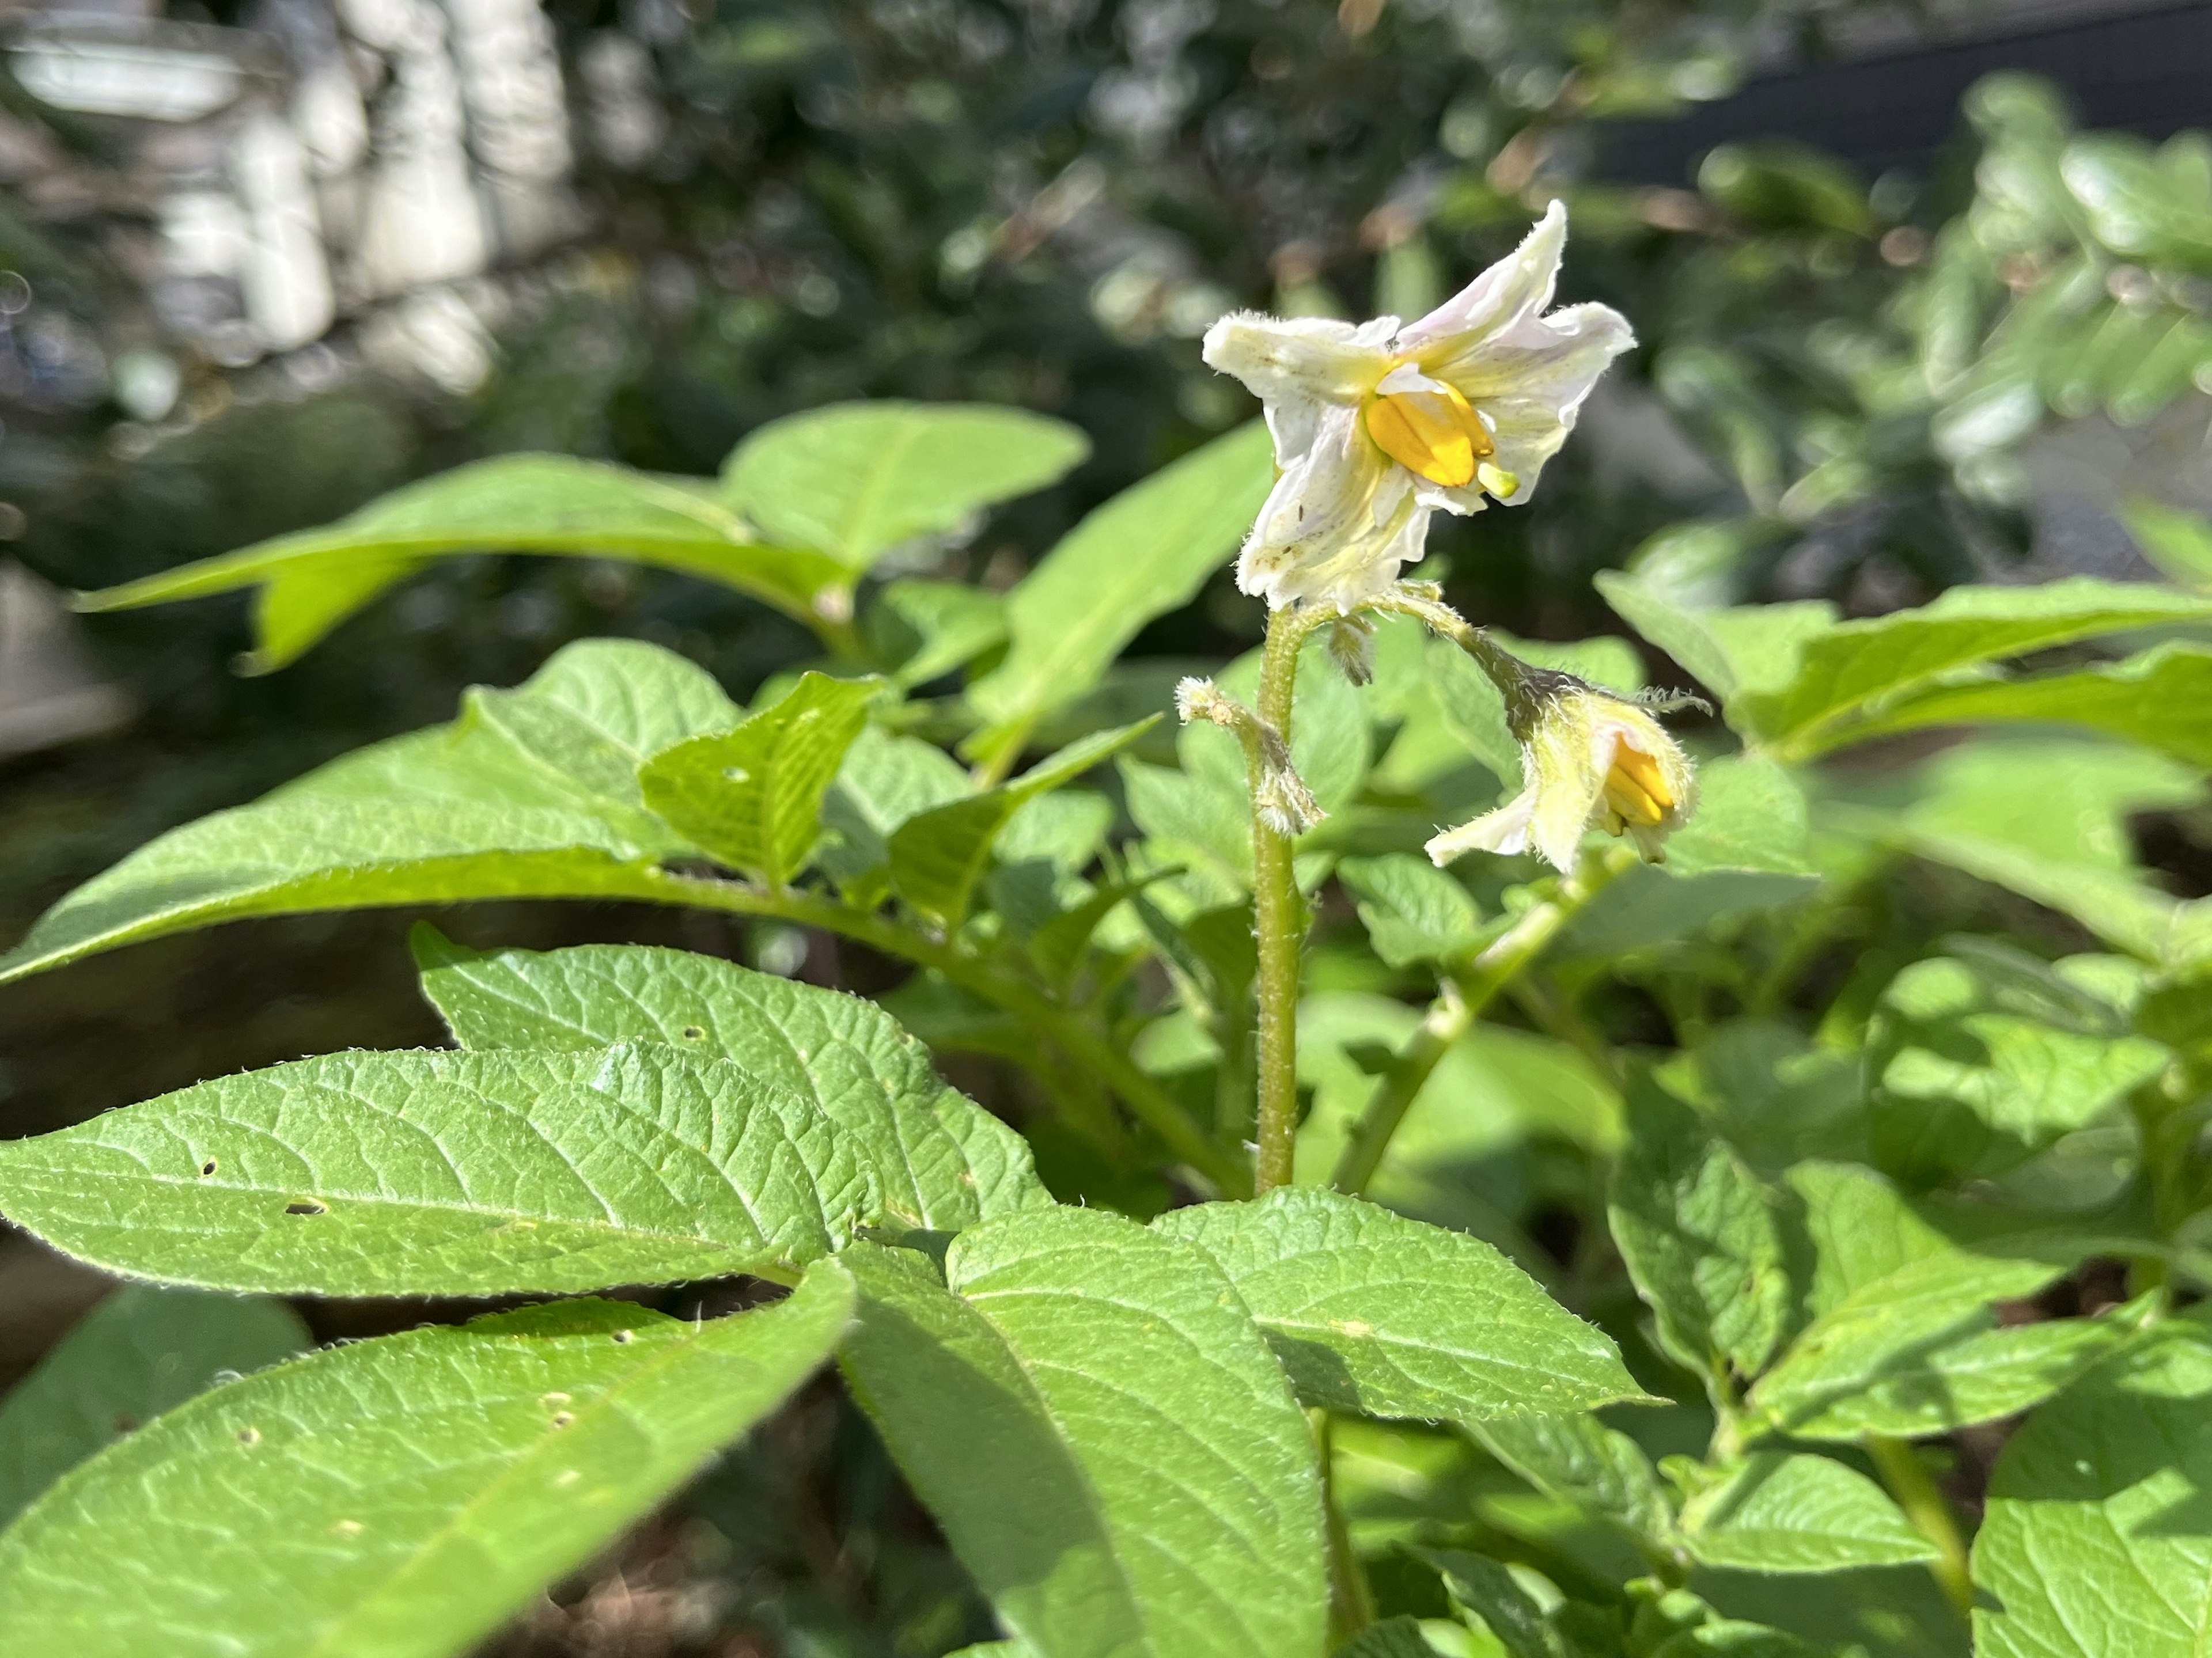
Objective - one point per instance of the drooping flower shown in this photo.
(1587, 760)
(1377, 424)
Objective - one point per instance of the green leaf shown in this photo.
(1413, 912)
(1903, 1342)
(1734, 653)
(1779, 1513)
(885, 781)
(1394, 1637)
(1480, 1586)
(939, 856)
(1850, 668)
(402, 1496)
(2047, 818)
(752, 797)
(139, 1352)
(854, 480)
(1751, 816)
(427, 1174)
(312, 579)
(1372, 1313)
(2178, 542)
(2156, 699)
(1103, 1434)
(1697, 1235)
(922, 630)
(1143, 553)
(941, 1161)
(2094, 1541)
(525, 795)
(1961, 1084)
(1578, 1460)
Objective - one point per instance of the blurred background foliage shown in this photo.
(1862, 384)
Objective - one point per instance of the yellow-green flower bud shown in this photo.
(1587, 760)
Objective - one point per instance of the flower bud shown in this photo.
(1589, 759)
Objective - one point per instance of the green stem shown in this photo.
(1454, 1011)
(1350, 1600)
(1907, 1478)
(1278, 918)
(1074, 1036)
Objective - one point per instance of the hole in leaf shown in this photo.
(563, 1418)
(124, 1424)
(625, 1335)
(348, 1528)
(249, 1435)
(208, 1167)
(692, 1033)
(306, 1206)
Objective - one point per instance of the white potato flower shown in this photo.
(1377, 424)
(1587, 760)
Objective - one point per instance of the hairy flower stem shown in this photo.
(1907, 1478)
(1278, 915)
(1465, 995)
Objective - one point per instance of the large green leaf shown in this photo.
(138, 1353)
(1849, 669)
(1143, 553)
(752, 797)
(1698, 1235)
(1102, 1434)
(1370, 1312)
(1734, 653)
(1962, 1083)
(532, 792)
(854, 479)
(1776, 1512)
(941, 1161)
(2095, 1541)
(450, 1173)
(938, 857)
(2156, 699)
(2047, 818)
(399, 1496)
(312, 579)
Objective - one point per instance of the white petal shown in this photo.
(1321, 504)
(1406, 377)
(1572, 781)
(1519, 285)
(1505, 831)
(1305, 551)
(1299, 365)
(1530, 387)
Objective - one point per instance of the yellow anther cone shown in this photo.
(1432, 434)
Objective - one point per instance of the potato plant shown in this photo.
(1258, 1363)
